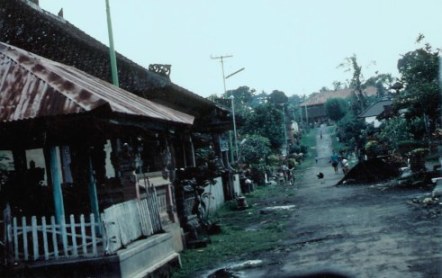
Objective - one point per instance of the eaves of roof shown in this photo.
(33, 87)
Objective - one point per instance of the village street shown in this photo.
(357, 231)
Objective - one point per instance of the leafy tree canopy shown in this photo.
(421, 97)
(255, 148)
(336, 108)
(278, 97)
(356, 83)
(382, 82)
(266, 121)
(351, 130)
(242, 95)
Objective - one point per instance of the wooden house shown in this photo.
(26, 26)
(67, 198)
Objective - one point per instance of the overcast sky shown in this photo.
(288, 45)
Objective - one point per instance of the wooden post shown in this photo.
(44, 230)
(192, 151)
(56, 183)
(19, 156)
(92, 187)
(54, 237)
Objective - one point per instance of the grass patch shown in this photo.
(309, 140)
(244, 233)
(336, 145)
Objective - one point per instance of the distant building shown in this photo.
(370, 115)
(313, 109)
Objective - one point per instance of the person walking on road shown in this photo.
(334, 160)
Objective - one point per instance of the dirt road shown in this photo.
(358, 231)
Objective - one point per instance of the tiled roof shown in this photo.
(322, 97)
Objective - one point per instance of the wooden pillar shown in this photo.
(188, 151)
(92, 188)
(192, 152)
(54, 170)
(184, 151)
(19, 156)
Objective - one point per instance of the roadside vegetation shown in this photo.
(411, 129)
(248, 232)
(244, 233)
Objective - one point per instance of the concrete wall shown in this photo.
(236, 185)
(216, 195)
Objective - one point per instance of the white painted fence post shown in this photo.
(45, 237)
(34, 237)
(25, 238)
(83, 234)
(54, 236)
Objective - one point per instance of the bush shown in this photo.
(298, 148)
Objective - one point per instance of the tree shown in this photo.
(255, 148)
(242, 99)
(382, 82)
(352, 131)
(278, 97)
(243, 94)
(358, 100)
(421, 94)
(336, 108)
(394, 131)
(266, 121)
(338, 85)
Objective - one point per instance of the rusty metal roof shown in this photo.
(32, 86)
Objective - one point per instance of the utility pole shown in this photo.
(113, 58)
(306, 115)
(221, 58)
(284, 126)
(234, 127)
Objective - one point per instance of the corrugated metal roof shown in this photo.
(29, 27)
(376, 108)
(32, 86)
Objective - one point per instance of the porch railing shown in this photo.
(128, 221)
(40, 239)
(35, 239)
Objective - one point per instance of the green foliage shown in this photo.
(236, 241)
(278, 97)
(394, 131)
(356, 83)
(273, 160)
(242, 97)
(266, 121)
(336, 108)
(373, 148)
(308, 140)
(421, 95)
(407, 145)
(351, 130)
(298, 148)
(255, 149)
(382, 82)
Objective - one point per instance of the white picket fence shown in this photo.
(117, 226)
(39, 240)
